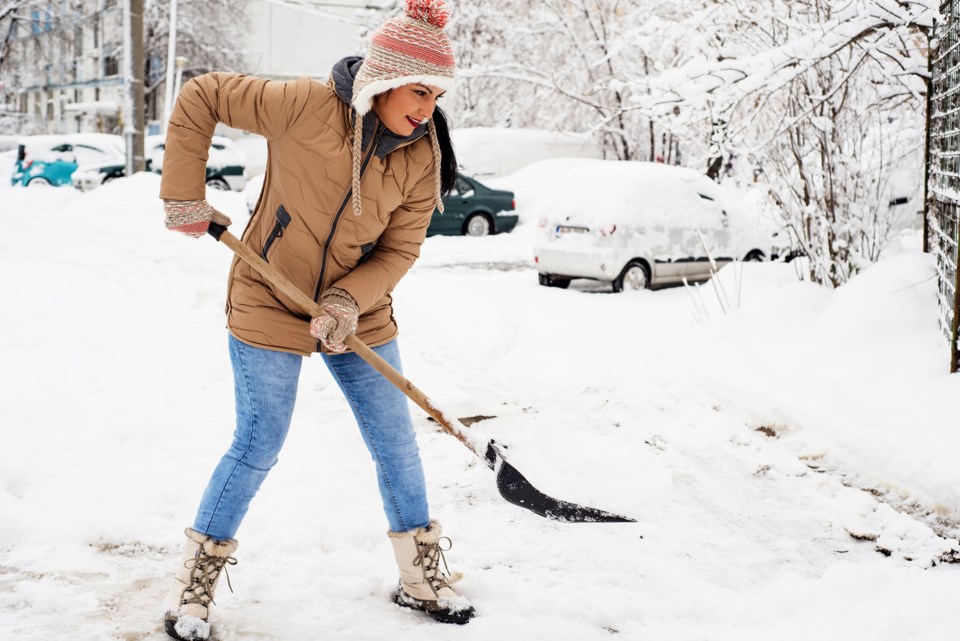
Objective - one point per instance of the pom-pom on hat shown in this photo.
(406, 49)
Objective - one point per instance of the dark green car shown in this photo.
(473, 209)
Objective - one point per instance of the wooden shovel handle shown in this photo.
(285, 285)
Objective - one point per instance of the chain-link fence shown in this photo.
(943, 204)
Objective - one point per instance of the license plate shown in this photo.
(569, 229)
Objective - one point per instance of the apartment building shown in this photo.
(64, 66)
(63, 70)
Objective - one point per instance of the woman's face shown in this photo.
(405, 108)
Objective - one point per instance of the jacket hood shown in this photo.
(342, 75)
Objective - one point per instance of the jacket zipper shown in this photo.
(283, 219)
(336, 219)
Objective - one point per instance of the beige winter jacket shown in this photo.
(303, 223)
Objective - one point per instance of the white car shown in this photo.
(225, 163)
(638, 224)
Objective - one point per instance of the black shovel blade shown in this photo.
(516, 489)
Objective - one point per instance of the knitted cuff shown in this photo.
(192, 217)
(341, 298)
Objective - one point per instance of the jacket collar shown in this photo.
(341, 77)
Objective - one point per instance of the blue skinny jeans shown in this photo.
(265, 383)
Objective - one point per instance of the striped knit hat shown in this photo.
(411, 48)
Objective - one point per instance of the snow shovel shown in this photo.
(513, 486)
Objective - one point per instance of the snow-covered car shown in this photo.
(55, 159)
(639, 224)
(225, 166)
(225, 163)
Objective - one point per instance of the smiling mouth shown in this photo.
(415, 123)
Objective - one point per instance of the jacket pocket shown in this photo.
(283, 219)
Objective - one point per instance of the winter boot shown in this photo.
(423, 586)
(188, 605)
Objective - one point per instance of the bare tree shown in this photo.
(827, 94)
(8, 13)
(210, 35)
(817, 97)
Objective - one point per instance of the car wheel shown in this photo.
(39, 181)
(633, 277)
(549, 280)
(219, 184)
(478, 225)
(756, 256)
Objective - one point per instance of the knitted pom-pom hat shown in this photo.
(406, 49)
(411, 48)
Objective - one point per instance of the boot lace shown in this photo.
(204, 570)
(429, 558)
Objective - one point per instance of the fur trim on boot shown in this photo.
(423, 585)
(188, 605)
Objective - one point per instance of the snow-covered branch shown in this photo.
(728, 80)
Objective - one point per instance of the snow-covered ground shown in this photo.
(790, 462)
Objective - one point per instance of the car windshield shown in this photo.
(89, 155)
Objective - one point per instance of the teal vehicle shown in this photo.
(53, 166)
(53, 160)
(473, 209)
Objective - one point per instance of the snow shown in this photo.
(105, 107)
(790, 461)
(192, 627)
(109, 141)
(695, 82)
(603, 192)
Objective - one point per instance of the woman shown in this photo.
(354, 171)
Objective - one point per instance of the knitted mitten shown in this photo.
(339, 319)
(192, 217)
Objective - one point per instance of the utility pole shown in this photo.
(171, 67)
(133, 84)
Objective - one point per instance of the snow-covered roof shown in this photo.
(106, 107)
(107, 142)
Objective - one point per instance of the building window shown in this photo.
(111, 62)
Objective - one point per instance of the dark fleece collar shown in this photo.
(343, 74)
